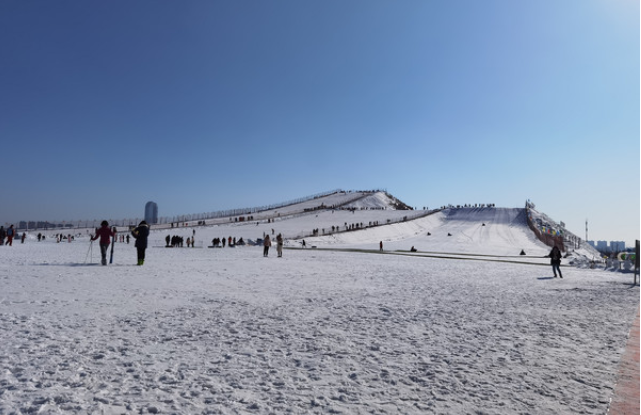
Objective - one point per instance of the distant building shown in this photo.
(617, 246)
(151, 213)
(602, 246)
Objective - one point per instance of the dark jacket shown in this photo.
(141, 233)
(555, 256)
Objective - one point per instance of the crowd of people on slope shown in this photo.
(174, 241)
(346, 227)
(177, 241)
(467, 205)
(230, 242)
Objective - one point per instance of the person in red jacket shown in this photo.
(105, 234)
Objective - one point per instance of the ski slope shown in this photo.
(499, 231)
(484, 231)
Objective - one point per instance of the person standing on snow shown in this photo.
(555, 259)
(105, 234)
(10, 234)
(279, 245)
(266, 244)
(141, 233)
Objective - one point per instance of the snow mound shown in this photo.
(378, 200)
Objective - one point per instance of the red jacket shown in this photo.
(104, 233)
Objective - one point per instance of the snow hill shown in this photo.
(362, 220)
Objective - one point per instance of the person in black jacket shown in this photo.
(555, 259)
(141, 233)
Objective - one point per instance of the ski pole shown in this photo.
(89, 250)
(113, 243)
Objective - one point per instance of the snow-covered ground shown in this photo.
(463, 325)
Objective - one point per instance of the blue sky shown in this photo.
(209, 105)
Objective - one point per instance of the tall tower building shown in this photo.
(151, 213)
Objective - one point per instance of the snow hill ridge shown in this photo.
(364, 219)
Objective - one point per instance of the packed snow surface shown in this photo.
(463, 325)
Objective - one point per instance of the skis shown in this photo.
(113, 242)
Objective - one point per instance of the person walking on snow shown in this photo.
(266, 244)
(105, 234)
(555, 259)
(141, 233)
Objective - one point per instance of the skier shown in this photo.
(555, 260)
(104, 233)
(266, 244)
(141, 233)
(279, 245)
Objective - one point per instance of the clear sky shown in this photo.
(210, 105)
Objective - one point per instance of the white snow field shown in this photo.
(465, 325)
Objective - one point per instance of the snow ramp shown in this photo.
(483, 231)
(498, 231)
